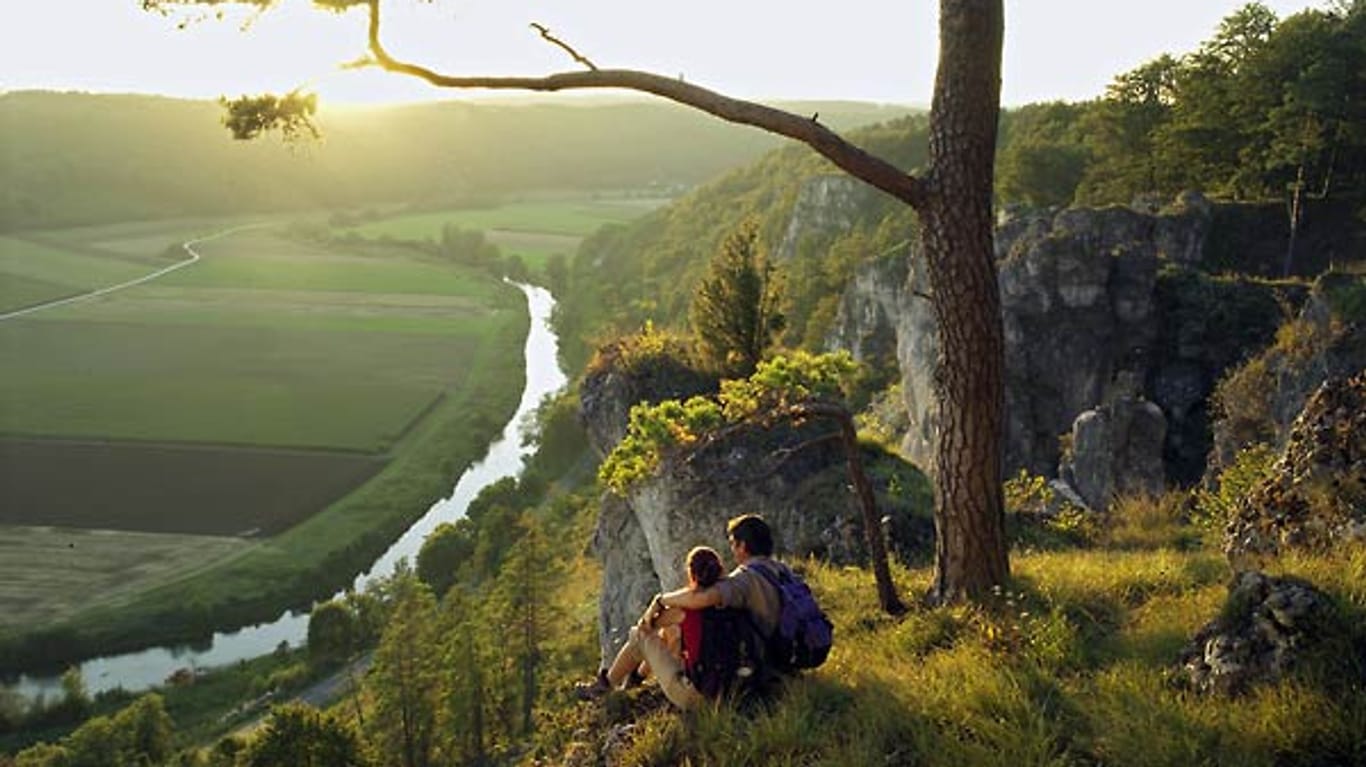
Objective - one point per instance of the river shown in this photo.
(141, 670)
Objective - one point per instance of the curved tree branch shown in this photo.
(853, 160)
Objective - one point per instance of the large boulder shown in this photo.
(1266, 626)
(1116, 451)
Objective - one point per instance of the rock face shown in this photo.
(1116, 450)
(866, 322)
(1267, 624)
(1090, 297)
(1076, 294)
(1315, 496)
(825, 205)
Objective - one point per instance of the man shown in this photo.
(751, 543)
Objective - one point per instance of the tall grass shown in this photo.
(1073, 664)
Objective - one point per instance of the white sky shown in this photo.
(872, 50)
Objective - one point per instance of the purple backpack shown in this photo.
(804, 635)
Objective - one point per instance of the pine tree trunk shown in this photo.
(956, 226)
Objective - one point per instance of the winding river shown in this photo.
(148, 668)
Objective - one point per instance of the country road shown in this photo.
(188, 245)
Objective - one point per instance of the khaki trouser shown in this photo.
(667, 668)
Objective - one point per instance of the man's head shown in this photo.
(749, 536)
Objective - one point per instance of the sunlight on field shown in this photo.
(47, 574)
(264, 341)
(32, 272)
(573, 218)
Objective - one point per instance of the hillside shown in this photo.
(74, 158)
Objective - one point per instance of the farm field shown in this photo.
(52, 573)
(264, 342)
(533, 230)
(565, 217)
(205, 490)
(40, 266)
(245, 399)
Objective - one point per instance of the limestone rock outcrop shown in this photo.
(1315, 495)
(1267, 625)
(1089, 297)
(825, 205)
(1116, 450)
(796, 477)
(1077, 306)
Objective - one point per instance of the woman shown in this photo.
(665, 640)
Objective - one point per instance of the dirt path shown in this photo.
(188, 245)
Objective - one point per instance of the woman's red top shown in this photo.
(692, 637)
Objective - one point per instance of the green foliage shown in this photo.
(1346, 294)
(298, 735)
(1041, 159)
(1038, 519)
(332, 633)
(734, 307)
(443, 552)
(69, 150)
(779, 388)
(403, 680)
(561, 442)
(292, 114)
(1264, 108)
(139, 734)
(1214, 507)
(623, 276)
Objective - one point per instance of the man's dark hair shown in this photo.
(753, 531)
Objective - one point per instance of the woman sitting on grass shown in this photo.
(666, 641)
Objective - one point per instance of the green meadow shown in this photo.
(533, 230)
(216, 353)
(566, 217)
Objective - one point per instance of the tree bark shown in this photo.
(872, 528)
(956, 235)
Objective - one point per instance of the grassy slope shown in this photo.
(1070, 666)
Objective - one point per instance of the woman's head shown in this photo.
(704, 567)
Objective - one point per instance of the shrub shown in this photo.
(1215, 507)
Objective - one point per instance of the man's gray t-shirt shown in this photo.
(749, 590)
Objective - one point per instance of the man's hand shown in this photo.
(652, 613)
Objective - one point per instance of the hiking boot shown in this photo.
(595, 689)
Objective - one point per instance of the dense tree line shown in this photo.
(1266, 108)
(75, 158)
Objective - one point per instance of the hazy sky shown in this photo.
(876, 50)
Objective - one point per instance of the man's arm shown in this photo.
(692, 600)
